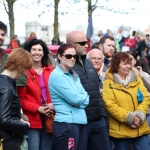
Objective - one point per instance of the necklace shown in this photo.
(38, 72)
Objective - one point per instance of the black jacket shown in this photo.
(10, 124)
(89, 79)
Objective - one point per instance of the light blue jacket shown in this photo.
(68, 96)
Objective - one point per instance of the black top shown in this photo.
(10, 124)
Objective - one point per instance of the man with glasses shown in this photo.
(96, 57)
(107, 45)
(95, 133)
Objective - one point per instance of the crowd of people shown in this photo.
(99, 100)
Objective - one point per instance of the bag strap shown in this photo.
(43, 99)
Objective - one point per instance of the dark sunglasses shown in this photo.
(81, 43)
(69, 56)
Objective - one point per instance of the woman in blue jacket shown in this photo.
(69, 99)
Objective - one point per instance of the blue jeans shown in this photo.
(39, 139)
(148, 121)
(139, 143)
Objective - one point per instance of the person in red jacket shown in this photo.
(32, 36)
(13, 42)
(129, 42)
(31, 96)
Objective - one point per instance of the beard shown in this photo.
(1, 42)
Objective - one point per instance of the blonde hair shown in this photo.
(18, 59)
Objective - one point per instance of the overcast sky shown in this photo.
(111, 14)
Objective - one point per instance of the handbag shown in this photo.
(48, 120)
(1, 145)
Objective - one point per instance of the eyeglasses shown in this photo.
(69, 56)
(81, 43)
(94, 58)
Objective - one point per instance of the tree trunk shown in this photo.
(10, 12)
(56, 35)
(11, 17)
(89, 7)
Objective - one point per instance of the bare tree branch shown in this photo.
(5, 7)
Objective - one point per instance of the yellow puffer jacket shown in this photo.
(120, 100)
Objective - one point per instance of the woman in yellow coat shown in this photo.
(127, 102)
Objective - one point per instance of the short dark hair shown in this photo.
(28, 45)
(95, 45)
(103, 39)
(3, 27)
(116, 59)
(147, 35)
(133, 33)
(62, 49)
(133, 53)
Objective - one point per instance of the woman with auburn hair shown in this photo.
(127, 102)
(12, 127)
(33, 93)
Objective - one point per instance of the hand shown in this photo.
(51, 110)
(140, 71)
(133, 126)
(101, 69)
(25, 122)
(46, 110)
(136, 122)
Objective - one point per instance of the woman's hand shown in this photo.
(25, 122)
(47, 110)
(140, 71)
(136, 122)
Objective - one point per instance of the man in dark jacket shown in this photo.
(96, 133)
(3, 56)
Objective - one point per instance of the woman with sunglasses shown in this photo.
(69, 99)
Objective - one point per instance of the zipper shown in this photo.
(132, 102)
(125, 92)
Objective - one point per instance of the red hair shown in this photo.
(116, 60)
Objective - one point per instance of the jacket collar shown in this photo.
(33, 72)
(71, 71)
(131, 78)
(115, 80)
(82, 57)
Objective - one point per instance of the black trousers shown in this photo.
(13, 143)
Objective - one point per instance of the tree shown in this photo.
(56, 4)
(91, 7)
(8, 5)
